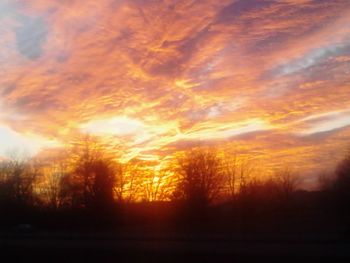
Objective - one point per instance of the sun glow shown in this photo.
(28, 143)
(118, 126)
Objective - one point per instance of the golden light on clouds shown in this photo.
(269, 79)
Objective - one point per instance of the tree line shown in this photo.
(87, 176)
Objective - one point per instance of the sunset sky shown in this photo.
(269, 79)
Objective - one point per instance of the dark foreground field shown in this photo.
(155, 233)
(35, 246)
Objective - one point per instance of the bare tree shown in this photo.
(53, 181)
(85, 152)
(151, 185)
(326, 181)
(342, 182)
(287, 182)
(54, 168)
(54, 188)
(238, 173)
(129, 181)
(95, 172)
(230, 171)
(200, 179)
(343, 173)
(120, 182)
(104, 180)
(165, 184)
(245, 171)
(18, 174)
(157, 185)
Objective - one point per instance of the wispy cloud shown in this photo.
(151, 75)
(326, 122)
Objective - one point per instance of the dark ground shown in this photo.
(36, 246)
(158, 232)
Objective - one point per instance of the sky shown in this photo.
(268, 79)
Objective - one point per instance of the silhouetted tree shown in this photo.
(237, 175)
(18, 175)
(230, 171)
(155, 185)
(104, 180)
(53, 188)
(342, 184)
(129, 181)
(326, 182)
(54, 170)
(343, 175)
(287, 182)
(245, 171)
(200, 180)
(165, 184)
(94, 171)
(120, 183)
(70, 194)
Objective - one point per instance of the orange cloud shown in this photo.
(155, 76)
